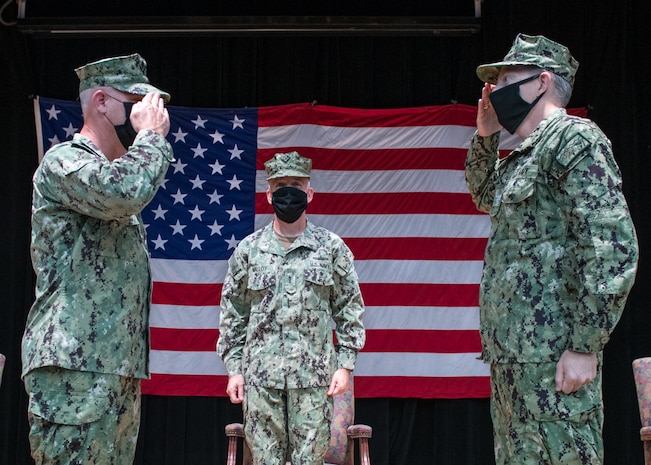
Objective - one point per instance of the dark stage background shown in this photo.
(609, 38)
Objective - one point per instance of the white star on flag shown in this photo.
(53, 113)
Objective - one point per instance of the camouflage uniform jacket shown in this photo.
(277, 307)
(89, 253)
(562, 251)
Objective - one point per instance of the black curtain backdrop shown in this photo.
(610, 40)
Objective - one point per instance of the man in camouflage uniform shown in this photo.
(86, 341)
(560, 260)
(285, 284)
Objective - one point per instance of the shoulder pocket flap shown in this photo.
(569, 155)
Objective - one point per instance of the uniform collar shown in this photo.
(271, 244)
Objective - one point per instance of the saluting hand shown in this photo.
(150, 113)
(487, 122)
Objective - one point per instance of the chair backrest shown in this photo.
(642, 375)
(343, 416)
(2, 366)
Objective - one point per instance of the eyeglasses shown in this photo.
(121, 101)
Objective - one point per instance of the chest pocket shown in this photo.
(320, 275)
(261, 277)
(515, 206)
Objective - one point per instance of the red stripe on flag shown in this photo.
(445, 158)
(427, 295)
(416, 248)
(190, 340)
(186, 294)
(375, 294)
(422, 387)
(377, 340)
(426, 341)
(403, 203)
(185, 385)
(365, 386)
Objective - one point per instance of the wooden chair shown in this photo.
(343, 434)
(642, 375)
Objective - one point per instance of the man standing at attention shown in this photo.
(86, 342)
(285, 284)
(560, 261)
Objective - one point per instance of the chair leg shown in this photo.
(364, 458)
(233, 432)
(642, 376)
(645, 435)
(232, 451)
(362, 433)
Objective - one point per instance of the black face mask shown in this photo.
(126, 133)
(510, 107)
(289, 203)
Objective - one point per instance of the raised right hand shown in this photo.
(487, 123)
(150, 113)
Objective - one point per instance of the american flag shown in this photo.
(389, 182)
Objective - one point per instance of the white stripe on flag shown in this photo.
(445, 226)
(171, 362)
(184, 316)
(419, 364)
(422, 318)
(419, 271)
(368, 182)
(402, 317)
(188, 271)
(368, 364)
(369, 271)
(365, 138)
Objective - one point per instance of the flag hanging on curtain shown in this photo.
(389, 182)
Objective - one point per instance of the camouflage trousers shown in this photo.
(81, 417)
(287, 424)
(535, 425)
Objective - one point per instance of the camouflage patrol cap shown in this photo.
(288, 164)
(533, 51)
(126, 73)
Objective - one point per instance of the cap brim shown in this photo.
(490, 72)
(144, 89)
(288, 174)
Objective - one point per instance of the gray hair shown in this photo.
(84, 97)
(562, 90)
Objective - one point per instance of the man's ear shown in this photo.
(99, 100)
(310, 194)
(268, 195)
(545, 81)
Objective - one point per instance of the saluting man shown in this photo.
(560, 261)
